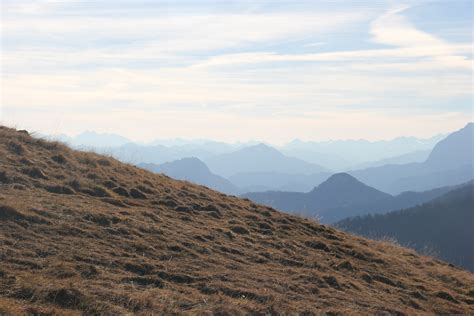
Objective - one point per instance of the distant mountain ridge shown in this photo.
(91, 139)
(456, 149)
(194, 170)
(338, 152)
(450, 163)
(345, 154)
(341, 196)
(156, 154)
(411, 157)
(277, 181)
(259, 158)
(444, 226)
(261, 167)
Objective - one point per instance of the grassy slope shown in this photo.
(72, 242)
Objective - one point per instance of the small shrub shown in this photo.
(240, 230)
(35, 172)
(144, 281)
(121, 191)
(99, 219)
(211, 208)
(332, 281)
(48, 144)
(100, 192)
(75, 184)
(16, 148)
(67, 298)
(145, 189)
(317, 245)
(92, 176)
(114, 202)
(345, 265)
(23, 293)
(104, 162)
(137, 194)
(446, 296)
(8, 212)
(168, 202)
(59, 189)
(263, 225)
(3, 177)
(87, 161)
(110, 184)
(88, 271)
(183, 209)
(60, 159)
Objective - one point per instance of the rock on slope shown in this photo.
(82, 233)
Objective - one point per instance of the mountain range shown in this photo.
(411, 157)
(348, 154)
(450, 162)
(156, 154)
(82, 233)
(259, 158)
(91, 139)
(194, 170)
(334, 155)
(260, 167)
(442, 227)
(341, 196)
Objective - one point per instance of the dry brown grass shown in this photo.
(84, 234)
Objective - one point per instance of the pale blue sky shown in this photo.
(238, 70)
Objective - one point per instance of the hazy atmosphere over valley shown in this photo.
(236, 157)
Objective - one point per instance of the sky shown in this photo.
(237, 70)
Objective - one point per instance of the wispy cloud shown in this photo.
(87, 39)
(391, 28)
(253, 68)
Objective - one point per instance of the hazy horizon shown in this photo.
(184, 140)
(238, 70)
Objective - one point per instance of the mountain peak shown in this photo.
(455, 149)
(261, 147)
(187, 166)
(341, 179)
(344, 188)
(95, 139)
(190, 161)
